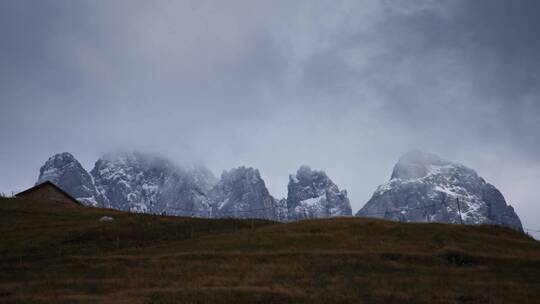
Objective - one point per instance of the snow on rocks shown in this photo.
(429, 189)
(312, 194)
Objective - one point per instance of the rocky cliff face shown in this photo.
(138, 182)
(311, 194)
(66, 172)
(281, 210)
(133, 182)
(426, 188)
(241, 193)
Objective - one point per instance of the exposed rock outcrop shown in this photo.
(242, 193)
(145, 183)
(66, 172)
(312, 194)
(426, 188)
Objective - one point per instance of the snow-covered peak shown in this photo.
(425, 187)
(417, 164)
(62, 157)
(313, 181)
(241, 192)
(306, 173)
(312, 194)
(143, 182)
(422, 157)
(248, 174)
(135, 159)
(56, 165)
(66, 172)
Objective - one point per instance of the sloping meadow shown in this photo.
(64, 254)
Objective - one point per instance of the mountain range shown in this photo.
(423, 188)
(139, 182)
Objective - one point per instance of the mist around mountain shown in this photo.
(146, 183)
(423, 188)
(426, 188)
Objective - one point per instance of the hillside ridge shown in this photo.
(68, 255)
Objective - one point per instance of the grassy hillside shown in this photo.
(51, 253)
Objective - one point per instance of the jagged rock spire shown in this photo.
(312, 194)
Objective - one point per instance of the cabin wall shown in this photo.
(47, 193)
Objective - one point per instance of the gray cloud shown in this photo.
(346, 86)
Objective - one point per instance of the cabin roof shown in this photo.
(45, 184)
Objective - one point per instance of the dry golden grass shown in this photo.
(52, 253)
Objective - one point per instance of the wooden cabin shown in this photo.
(47, 191)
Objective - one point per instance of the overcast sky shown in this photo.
(343, 86)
